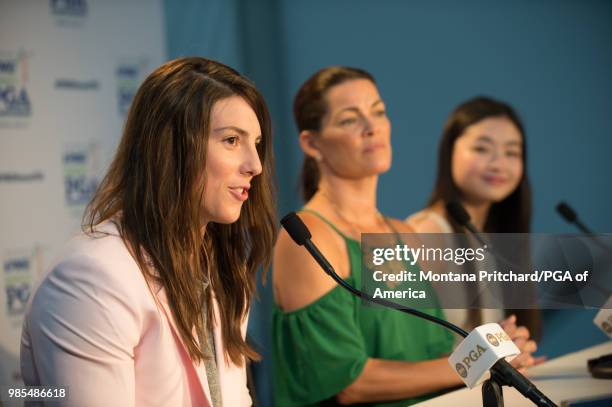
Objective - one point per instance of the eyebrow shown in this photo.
(354, 109)
(488, 139)
(238, 130)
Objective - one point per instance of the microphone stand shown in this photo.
(492, 393)
(502, 373)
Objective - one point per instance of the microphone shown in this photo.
(460, 215)
(502, 371)
(571, 216)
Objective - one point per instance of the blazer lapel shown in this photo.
(194, 369)
(161, 299)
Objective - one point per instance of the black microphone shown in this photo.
(570, 216)
(501, 371)
(460, 215)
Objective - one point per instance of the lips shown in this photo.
(241, 193)
(373, 147)
(494, 179)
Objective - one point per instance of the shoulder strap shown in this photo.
(318, 215)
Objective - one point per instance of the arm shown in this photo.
(82, 334)
(394, 380)
(299, 281)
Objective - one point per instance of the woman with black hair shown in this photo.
(482, 164)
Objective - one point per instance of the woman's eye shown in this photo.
(233, 140)
(513, 154)
(348, 121)
(480, 149)
(380, 113)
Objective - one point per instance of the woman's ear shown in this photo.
(309, 145)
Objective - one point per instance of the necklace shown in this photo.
(356, 233)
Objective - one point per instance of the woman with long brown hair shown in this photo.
(149, 305)
(329, 348)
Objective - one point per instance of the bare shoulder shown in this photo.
(427, 221)
(298, 279)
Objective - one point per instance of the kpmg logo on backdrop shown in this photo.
(81, 174)
(14, 98)
(20, 268)
(129, 73)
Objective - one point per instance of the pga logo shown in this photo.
(471, 358)
(14, 98)
(17, 284)
(80, 180)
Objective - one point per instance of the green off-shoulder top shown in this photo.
(322, 348)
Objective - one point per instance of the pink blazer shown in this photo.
(94, 326)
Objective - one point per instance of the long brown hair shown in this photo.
(153, 192)
(309, 107)
(511, 215)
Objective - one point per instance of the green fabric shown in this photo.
(321, 348)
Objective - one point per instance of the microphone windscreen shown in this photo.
(566, 212)
(458, 212)
(296, 228)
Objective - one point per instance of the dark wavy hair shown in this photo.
(513, 214)
(153, 192)
(309, 107)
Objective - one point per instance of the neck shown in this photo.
(355, 199)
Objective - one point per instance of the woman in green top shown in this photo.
(328, 348)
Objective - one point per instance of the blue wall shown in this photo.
(552, 60)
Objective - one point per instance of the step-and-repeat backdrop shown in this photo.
(68, 72)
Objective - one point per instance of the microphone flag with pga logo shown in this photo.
(603, 319)
(479, 351)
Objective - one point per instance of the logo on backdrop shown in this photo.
(18, 177)
(72, 8)
(19, 269)
(76, 84)
(14, 97)
(82, 170)
(128, 74)
(69, 13)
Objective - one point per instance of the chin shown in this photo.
(382, 168)
(496, 197)
(228, 217)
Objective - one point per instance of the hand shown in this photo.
(520, 337)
